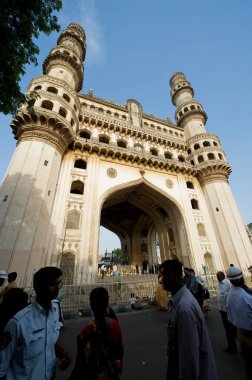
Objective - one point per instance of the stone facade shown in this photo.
(82, 162)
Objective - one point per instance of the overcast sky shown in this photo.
(133, 48)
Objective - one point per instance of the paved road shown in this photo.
(144, 336)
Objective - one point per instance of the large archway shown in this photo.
(149, 224)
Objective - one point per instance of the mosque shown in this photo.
(82, 162)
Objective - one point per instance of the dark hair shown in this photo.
(12, 276)
(173, 266)
(192, 270)
(13, 301)
(44, 277)
(99, 300)
(186, 268)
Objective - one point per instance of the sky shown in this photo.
(133, 48)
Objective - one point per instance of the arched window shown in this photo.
(37, 88)
(53, 90)
(47, 105)
(192, 162)
(66, 97)
(80, 164)
(201, 229)
(171, 236)
(220, 156)
(189, 151)
(153, 151)
(104, 139)
(67, 264)
(73, 220)
(206, 143)
(62, 112)
(200, 159)
(181, 158)
(168, 155)
(215, 143)
(195, 204)
(196, 146)
(189, 185)
(210, 156)
(121, 143)
(85, 134)
(77, 187)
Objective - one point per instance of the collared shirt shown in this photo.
(189, 351)
(31, 355)
(239, 308)
(223, 287)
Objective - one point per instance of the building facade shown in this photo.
(82, 162)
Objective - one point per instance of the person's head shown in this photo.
(12, 276)
(186, 271)
(47, 282)
(235, 275)
(99, 300)
(171, 271)
(3, 276)
(192, 272)
(220, 276)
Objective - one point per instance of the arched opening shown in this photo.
(47, 105)
(77, 187)
(196, 146)
(138, 215)
(200, 159)
(153, 151)
(181, 158)
(206, 143)
(67, 265)
(195, 204)
(121, 143)
(80, 164)
(210, 156)
(104, 139)
(53, 90)
(85, 134)
(189, 185)
(168, 155)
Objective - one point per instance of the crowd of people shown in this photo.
(29, 331)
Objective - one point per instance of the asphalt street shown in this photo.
(144, 337)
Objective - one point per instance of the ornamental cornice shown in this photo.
(39, 134)
(141, 159)
(213, 167)
(43, 122)
(213, 178)
(202, 136)
(129, 129)
(69, 33)
(190, 113)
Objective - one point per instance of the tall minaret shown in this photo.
(207, 156)
(43, 134)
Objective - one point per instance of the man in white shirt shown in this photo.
(224, 286)
(239, 312)
(31, 352)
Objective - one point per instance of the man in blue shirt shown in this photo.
(189, 350)
(34, 331)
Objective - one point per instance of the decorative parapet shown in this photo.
(130, 130)
(141, 159)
